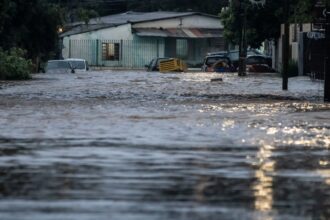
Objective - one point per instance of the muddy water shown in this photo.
(136, 145)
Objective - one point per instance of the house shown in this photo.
(132, 39)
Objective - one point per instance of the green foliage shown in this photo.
(262, 23)
(206, 6)
(86, 14)
(31, 25)
(13, 65)
(293, 68)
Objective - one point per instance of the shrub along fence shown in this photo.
(13, 65)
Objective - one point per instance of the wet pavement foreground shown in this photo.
(137, 145)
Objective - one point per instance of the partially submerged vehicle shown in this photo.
(59, 66)
(217, 63)
(233, 55)
(154, 63)
(172, 65)
(78, 64)
(258, 64)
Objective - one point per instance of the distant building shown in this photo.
(306, 50)
(132, 39)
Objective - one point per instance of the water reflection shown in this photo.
(263, 187)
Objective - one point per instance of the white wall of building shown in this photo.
(122, 32)
(294, 31)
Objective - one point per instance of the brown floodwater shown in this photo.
(139, 145)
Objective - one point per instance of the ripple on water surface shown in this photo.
(74, 178)
(162, 146)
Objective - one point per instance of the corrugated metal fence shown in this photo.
(135, 53)
(116, 53)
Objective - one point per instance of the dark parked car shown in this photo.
(154, 63)
(234, 56)
(258, 63)
(217, 63)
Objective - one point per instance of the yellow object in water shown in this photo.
(172, 65)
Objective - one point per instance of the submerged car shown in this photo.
(78, 64)
(259, 64)
(217, 63)
(59, 66)
(154, 63)
(233, 55)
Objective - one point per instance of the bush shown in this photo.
(13, 65)
(293, 68)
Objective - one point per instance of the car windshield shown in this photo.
(58, 64)
(212, 60)
(234, 55)
(78, 64)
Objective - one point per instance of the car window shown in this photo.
(78, 64)
(212, 60)
(256, 60)
(58, 65)
(234, 55)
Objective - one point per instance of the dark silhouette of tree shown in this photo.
(31, 25)
(263, 22)
(206, 6)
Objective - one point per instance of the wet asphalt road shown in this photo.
(137, 145)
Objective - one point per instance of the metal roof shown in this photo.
(124, 18)
(135, 17)
(85, 28)
(179, 32)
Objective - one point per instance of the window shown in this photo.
(110, 51)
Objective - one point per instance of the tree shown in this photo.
(262, 23)
(30, 25)
(206, 6)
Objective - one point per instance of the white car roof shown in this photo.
(75, 59)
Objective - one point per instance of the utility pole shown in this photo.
(285, 52)
(242, 40)
(327, 55)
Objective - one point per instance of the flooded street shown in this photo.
(143, 145)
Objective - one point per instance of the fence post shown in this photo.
(97, 52)
(157, 47)
(69, 48)
(327, 55)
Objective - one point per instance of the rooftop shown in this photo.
(124, 18)
(135, 17)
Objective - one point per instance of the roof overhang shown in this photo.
(179, 32)
(79, 29)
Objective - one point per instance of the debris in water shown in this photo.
(216, 80)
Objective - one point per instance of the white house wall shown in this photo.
(122, 32)
(136, 51)
(195, 21)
